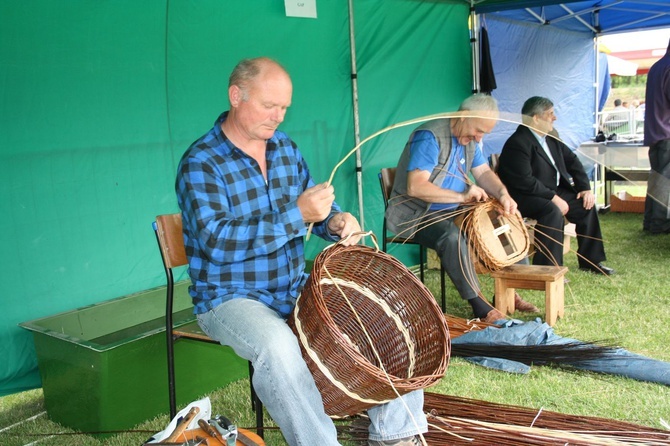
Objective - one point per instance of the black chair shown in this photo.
(168, 229)
(386, 178)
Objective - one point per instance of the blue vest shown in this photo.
(403, 213)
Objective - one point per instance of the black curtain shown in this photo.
(487, 78)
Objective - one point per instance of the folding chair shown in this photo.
(386, 178)
(168, 229)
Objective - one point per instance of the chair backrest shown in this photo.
(493, 162)
(386, 179)
(171, 240)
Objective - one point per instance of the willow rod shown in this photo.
(459, 421)
(461, 114)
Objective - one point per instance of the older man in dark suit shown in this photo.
(549, 184)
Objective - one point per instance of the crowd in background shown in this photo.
(624, 120)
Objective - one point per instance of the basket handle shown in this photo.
(373, 237)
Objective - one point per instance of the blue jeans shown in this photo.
(392, 420)
(284, 383)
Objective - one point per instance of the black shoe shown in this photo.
(598, 269)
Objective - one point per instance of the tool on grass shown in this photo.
(246, 441)
(181, 426)
(229, 431)
(195, 442)
(202, 441)
(205, 426)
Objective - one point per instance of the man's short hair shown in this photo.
(617, 102)
(246, 70)
(536, 106)
(479, 102)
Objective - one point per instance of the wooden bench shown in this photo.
(531, 277)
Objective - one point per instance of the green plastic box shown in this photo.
(104, 366)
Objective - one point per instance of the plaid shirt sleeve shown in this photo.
(244, 236)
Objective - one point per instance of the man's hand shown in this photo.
(561, 204)
(474, 193)
(588, 197)
(508, 204)
(316, 202)
(344, 224)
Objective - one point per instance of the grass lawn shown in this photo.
(630, 309)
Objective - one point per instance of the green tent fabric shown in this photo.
(100, 99)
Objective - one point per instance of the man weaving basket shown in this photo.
(431, 183)
(247, 198)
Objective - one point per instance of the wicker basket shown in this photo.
(496, 240)
(393, 309)
(627, 203)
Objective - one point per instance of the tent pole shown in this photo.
(474, 29)
(357, 137)
(596, 102)
(596, 84)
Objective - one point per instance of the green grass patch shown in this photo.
(630, 309)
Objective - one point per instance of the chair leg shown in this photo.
(172, 392)
(422, 255)
(259, 417)
(256, 403)
(251, 386)
(442, 290)
(423, 260)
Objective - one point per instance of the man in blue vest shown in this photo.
(432, 179)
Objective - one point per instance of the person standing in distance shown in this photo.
(657, 137)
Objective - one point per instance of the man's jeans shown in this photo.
(284, 383)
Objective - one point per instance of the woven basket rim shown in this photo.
(368, 373)
(332, 326)
(480, 249)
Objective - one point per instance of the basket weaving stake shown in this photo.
(362, 325)
(502, 230)
(339, 283)
(460, 114)
(379, 359)
(322, 367)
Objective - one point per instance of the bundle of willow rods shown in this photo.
(458, 421)
(493, 423)
(562, 355)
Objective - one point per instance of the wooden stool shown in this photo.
(531, 277)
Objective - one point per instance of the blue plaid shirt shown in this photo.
(243, 237)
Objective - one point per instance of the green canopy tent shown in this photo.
(100, 99)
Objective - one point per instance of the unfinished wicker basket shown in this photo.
(496, 240)
(394, 319)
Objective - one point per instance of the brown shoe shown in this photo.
(522, 305)
(493, 316)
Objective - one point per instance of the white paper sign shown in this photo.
(300, 8)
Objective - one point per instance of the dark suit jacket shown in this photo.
(527, 171)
